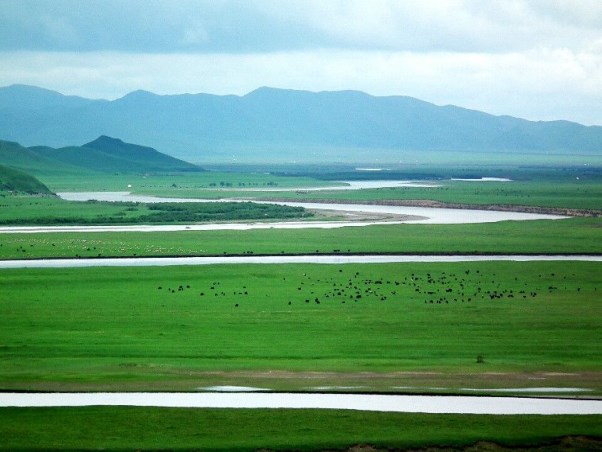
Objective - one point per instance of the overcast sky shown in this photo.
(537, 59)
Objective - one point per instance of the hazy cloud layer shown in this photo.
(227, 26)
(540, 59)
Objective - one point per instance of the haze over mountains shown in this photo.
(281, 125)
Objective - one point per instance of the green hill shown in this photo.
(99, 156)
(18, 181)
(31, 160)
(141, 156)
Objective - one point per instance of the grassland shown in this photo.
(180, 327)
(47, 210)
(178, 184)
(193, 429)
(415, 328)
(551, 190)
(570, 194)
(577, 235)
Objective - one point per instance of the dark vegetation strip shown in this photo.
(132, 428)
(166, 213)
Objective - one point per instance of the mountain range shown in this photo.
(282, 125)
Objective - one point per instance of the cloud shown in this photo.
(229, 26)
(539, 59)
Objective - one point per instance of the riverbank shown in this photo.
(568, 212)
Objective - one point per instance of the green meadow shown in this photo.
(569, 236)
(568, 194)
(546, 190)
(45, 210)
(180, 328)
(131, 428)
(379, 328)
(177, 184)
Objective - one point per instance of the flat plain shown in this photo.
(382, 328)
(180, 328)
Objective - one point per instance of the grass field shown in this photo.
(570, 194)
(411, 328)
(178, 182)
(174, 327)
(577, 235)
(25, 210)
(130, 428)
(550, 190)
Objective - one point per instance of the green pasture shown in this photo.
(554, 194)
(547, 190)
(569, 236)
(26, 210)
(131, 428)
(180, 328)
(176, 184)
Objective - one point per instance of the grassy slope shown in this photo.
(128, 428)
(16, 156)
(15, 181)
(122, 328)
(83, 162)
(136, 156)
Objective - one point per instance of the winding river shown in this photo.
(423, 215)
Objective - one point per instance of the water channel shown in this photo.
(299, 259)
(422, 215)
(364, 402)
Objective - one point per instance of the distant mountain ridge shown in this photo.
(269, 124)
(103, 155)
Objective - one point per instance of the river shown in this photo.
(364, 402)
(422, 215)
(299, 259)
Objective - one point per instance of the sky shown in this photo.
(535, 59)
